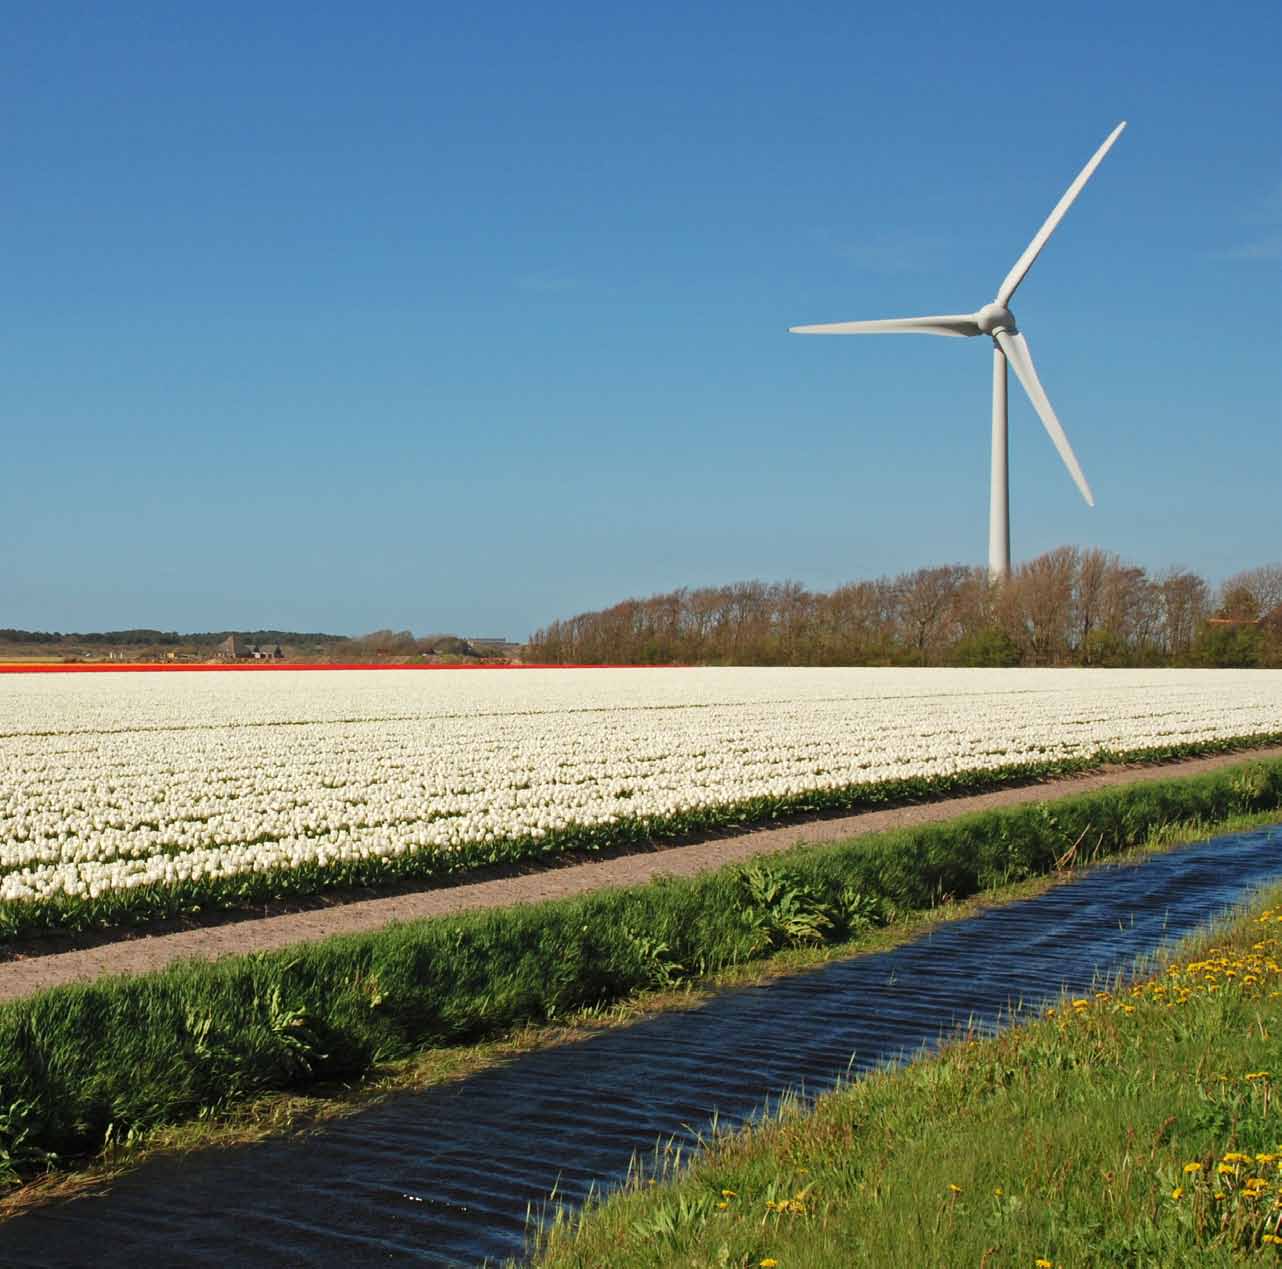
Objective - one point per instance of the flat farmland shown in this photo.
(124, 796)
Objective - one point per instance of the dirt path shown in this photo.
(134, 954)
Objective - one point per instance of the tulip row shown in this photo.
(147, 785)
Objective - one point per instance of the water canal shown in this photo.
(446, 1176)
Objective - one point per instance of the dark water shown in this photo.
(445, 1176)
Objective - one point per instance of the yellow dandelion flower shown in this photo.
(1190, 1168)
(1177, 1192)
(1042, 1263)
(1234, 1157)
(954, 1189)
(721, 1207)
(729, 1194)
(768, 1263)
(1271, 1239)
(1225, 1169)
(998, 1191)
(1257, 1075)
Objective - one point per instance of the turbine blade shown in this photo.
(1033, 250)
(947, 324)
(1021, 362)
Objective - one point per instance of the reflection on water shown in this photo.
(445, 1176)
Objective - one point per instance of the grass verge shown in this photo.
(1137, 1127)
(85, 1068)
(136, 905)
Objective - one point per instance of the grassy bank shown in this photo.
(1135, 1127)
(136, 905)
(82, 1067)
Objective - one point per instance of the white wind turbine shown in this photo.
(997, 320)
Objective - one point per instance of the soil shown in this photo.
(35, 964)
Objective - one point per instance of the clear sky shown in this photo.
(465, 317)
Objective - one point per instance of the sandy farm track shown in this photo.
(36, 965)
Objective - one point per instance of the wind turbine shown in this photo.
(1009, 345)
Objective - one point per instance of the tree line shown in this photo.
(1071, 606)
(162, 638)
(378, 644)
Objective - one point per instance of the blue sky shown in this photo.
(467, 317)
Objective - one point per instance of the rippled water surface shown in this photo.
(445, 1176)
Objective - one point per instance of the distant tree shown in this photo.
(1225, 647)
(926, 601)
(1042, 593)
(1185, 600)
(990, 646)
(1263, 583)
(387, 643)
(1238, 603)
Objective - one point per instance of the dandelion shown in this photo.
(729, 1194)
(768, 1263)
(1042, 1263)
(954, 1189)
(1177, 1193)
(1190, 1168)
(1256, 1075)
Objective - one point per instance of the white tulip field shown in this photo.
(134, 784)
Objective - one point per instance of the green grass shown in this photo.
(143, 904)
(85, 1067)
(1138, 1127)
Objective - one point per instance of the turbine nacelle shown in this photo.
(994, 317)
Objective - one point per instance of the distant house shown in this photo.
(231, 649)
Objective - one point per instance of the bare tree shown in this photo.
(1042, 595)
(1094, 568)
(926, 607)
(1185, 603)
(1264, 584)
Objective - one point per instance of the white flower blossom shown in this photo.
(115, 781)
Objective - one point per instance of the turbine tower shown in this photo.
(1009, 345)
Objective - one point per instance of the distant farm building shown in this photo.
(493, 647)
(233, 648)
